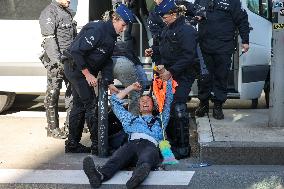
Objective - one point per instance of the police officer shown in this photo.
(156, 25)
(177, 49)
(91, 51)
(58, 30)
(217, 36)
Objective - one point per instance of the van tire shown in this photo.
(6, 100)
(254, 103)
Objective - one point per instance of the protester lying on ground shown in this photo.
(145, 133)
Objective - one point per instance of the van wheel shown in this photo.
(6, 100)
(254, 103)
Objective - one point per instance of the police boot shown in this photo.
(202, 109)
(92, 124)
(217, 111)
(182, 147)
(139, 174)
(74, 147)
(51, 101)
(68, 106)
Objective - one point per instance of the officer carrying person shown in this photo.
(58, 30)
(91, 52)
(217, 39)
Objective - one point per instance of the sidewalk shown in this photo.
(243, 137)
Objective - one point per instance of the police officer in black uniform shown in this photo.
(177, 49)
(217, 37)
(156, 25)
(91, 51)
(58, 30)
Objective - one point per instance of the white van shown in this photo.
(21, 72)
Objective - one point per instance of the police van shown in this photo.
(21, 72)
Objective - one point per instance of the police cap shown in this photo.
(125, 14)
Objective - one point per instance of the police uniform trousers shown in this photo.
(214, 85)
(133, 153)
(84, 106)
(127, 73)
(178, 127)
(55, 77)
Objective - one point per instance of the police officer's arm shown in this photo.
(83, 45)
(48, 25)
(240, 18)
(107, 75)
(187, 45)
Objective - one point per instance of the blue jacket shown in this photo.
(178, 47)
(93, 48)
(139, 124)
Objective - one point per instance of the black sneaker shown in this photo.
(76, 148)
(202, 109)
(94, 176)
(138, 176)
(218, 112)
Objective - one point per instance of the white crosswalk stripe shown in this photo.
(78, 177)
(30, 114)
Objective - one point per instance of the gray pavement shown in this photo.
(243, 137)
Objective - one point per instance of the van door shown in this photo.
(254, 65)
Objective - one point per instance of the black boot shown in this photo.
(138, 176)
(94, 176)
(181, 152)
(202, 109)
(52, 117)
(73, 147)
(217, 111)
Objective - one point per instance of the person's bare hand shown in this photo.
(112, 89)
(148, 52)
(159, 69)
(166, 75)
(92, 80)
(136, 86)
(245, 48)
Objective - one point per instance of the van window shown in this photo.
(264, 9)
(253, 5)
(260, 7)
(22, 9)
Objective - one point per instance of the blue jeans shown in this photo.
(127, 73)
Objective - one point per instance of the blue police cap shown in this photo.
(165, 6)
(125, 13)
